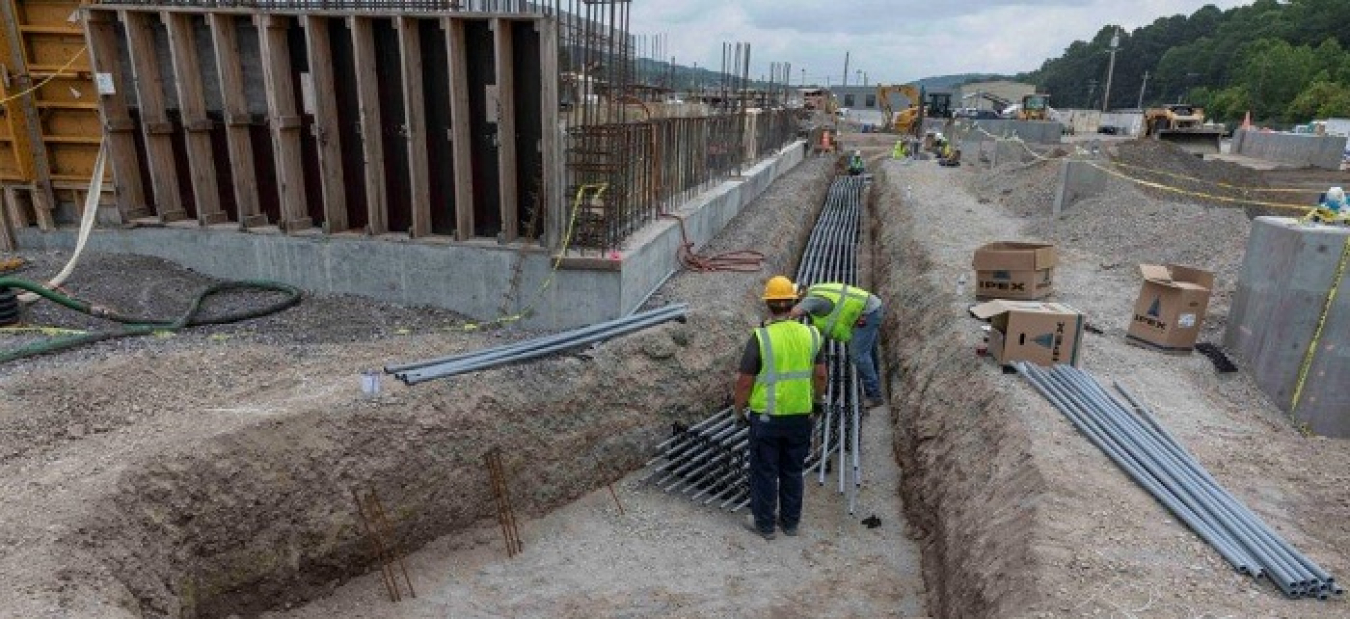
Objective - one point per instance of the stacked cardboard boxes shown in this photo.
(1014, 270)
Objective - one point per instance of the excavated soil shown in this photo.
(1021, 515)
(210, 473)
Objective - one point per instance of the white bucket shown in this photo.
(370, 382)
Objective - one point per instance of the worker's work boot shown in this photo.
(787, 530)
(873, 402)
(750, 524)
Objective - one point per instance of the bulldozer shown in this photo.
(1034, 107)
(1184, 125)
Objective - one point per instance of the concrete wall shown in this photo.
(1090, 121)
(1299, 150)
(1077, 180)
(1034, 131)
(466, 277)
(1282, 291)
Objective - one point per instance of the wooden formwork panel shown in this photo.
(46, 42)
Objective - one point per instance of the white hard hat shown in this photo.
(1335, 194)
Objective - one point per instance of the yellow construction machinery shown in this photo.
(1034, 107)
(1184, 125)
(905, 121)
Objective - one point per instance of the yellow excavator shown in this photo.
(909, 118)
(1183, 124)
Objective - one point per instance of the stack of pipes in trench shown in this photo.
(1131, 436)
(709, 461)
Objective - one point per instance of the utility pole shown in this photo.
(1111, 69)
(845, 84)
(1141, 91)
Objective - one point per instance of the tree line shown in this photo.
(1284, 62)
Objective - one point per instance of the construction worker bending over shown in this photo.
(853, 316)
(855, 163)
(781, 373)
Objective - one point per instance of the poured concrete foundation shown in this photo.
(1298, 150)
(1281, 300)
(470, 278)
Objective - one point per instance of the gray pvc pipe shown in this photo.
(1220, 515)
(1108, 445)
(1167, 438)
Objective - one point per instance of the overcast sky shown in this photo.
(893, 41)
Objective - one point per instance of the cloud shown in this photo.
(892, 41)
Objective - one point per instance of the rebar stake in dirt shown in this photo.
(505, 516)
(376, 525)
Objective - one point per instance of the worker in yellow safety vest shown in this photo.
(851, 315)
(781, 374)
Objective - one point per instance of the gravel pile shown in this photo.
(152, 288)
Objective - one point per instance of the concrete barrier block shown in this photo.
(1077, 180)
(1295, 149)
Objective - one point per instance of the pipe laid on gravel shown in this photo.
(1131, 436)
(419, 372)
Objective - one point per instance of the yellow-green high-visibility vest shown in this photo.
(849, 303)
(787, 356)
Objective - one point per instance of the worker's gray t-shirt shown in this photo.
(820, 306)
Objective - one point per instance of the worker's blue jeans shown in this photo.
(778, 450)
(862, 349)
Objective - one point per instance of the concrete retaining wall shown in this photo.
(1299, 150)
(469, 277)
(1077, 180)
(1282, 291)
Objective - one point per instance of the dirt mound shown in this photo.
(956, 439)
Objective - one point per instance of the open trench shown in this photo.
(259, 516)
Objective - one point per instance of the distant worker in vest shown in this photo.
(855, 163)
(853, 316)
(781, 374)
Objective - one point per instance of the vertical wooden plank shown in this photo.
(460, 127)
(506, 129)
(553, 206)
(415, 115)
(117, 125)
(284, 119)
(187, 72)
(7, 241)
(229, 66)
(326, 130)
(154, 121)
(25, 119)
(368, 94)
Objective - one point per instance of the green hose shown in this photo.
(143, 326)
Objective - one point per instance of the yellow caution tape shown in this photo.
(599, 190)
(1216, 183)
(49, 78)
(1317, 334)
(1199, 194)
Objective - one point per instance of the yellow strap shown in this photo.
(599, 189)
(1216, 183)
(49, 77)
(1317, 335)
(1197, 194)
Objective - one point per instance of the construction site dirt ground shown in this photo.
(209, 473)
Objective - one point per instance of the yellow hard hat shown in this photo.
(780, 288)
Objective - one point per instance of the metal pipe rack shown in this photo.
(709, 461)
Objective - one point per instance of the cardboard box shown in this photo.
(1171, 307)
(1013, 270)
(1041, 333)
